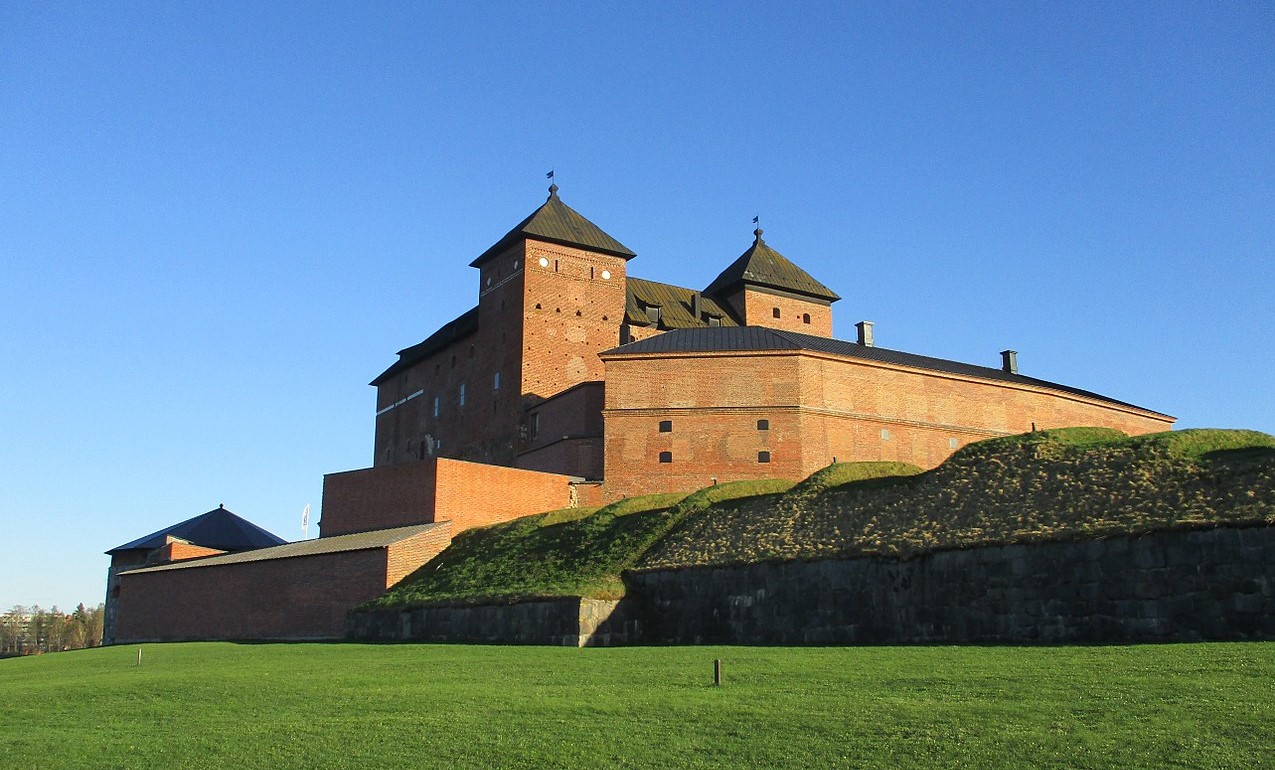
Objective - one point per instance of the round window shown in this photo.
(606, 275)
(544, 262)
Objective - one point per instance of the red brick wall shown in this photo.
(571, 315)
(467, 494)
(378, 498)
(298, 598)
(540, 328)
(758, 309)
(175, 551)
(474, 495)
(408, 555)
(564, 433)
(819, 408)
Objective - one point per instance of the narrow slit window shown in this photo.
(462, 394)
(436, 406)
(495, 381)
(535, 425)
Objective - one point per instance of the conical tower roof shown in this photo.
(557, 222)
(219, 528)
(765, 267)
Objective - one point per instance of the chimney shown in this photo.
(865, 333)
(697, 311)
(1009, 361)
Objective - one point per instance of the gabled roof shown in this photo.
(219, 528)
(557, 222)
(674, 303)
(360, 541)
(765, 267)
(758, 338)
(457, 329)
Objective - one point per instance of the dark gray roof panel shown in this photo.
(361, 541)
(762, 266)
(219, 528)
(749, 338)
(557, 222)
(674, 303)
(451, 332)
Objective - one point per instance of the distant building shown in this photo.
(572, 383)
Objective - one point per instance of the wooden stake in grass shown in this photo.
(717, 672)
(139, 656)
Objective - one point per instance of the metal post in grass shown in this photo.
(717, 672)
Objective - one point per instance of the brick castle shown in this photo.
(571, 383)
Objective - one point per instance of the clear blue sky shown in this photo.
(218, 224)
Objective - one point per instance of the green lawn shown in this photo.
(366, 706)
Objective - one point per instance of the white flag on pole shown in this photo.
(305, 521)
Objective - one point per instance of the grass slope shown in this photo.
(1060, 484)
(420, 706)
(1067, 483)
(560, 553)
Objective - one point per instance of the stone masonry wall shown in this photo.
(570, 621)
(1175, 586)
(1216, 584)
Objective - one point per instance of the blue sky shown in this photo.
(218, 224)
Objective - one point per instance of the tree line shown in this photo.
(32, 630)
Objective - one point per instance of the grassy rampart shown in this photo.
(1061, 484)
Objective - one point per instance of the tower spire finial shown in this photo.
(553, 186)
(757, 233)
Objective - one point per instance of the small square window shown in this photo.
(666, 426)
(763, 457)
(775, 312)
(805, 318)
(763, 425)
(953, 443)
(666, 457)
(885, 434)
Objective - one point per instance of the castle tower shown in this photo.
(551, 296)
(765, 289)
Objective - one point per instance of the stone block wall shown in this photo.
(569, 621)
(1216, 584)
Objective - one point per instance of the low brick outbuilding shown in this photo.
(294, 591)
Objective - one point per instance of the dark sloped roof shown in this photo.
(763, 266)
(557, 222)
(360, 541)
(747, 338)
(450, 332)
(674, 303)
(219, 528)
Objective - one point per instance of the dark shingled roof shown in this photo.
(361, 541)
(557, 222)
(219, 528)
(674, 303)
(765, 267)
(450, 332)
(748, 338)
